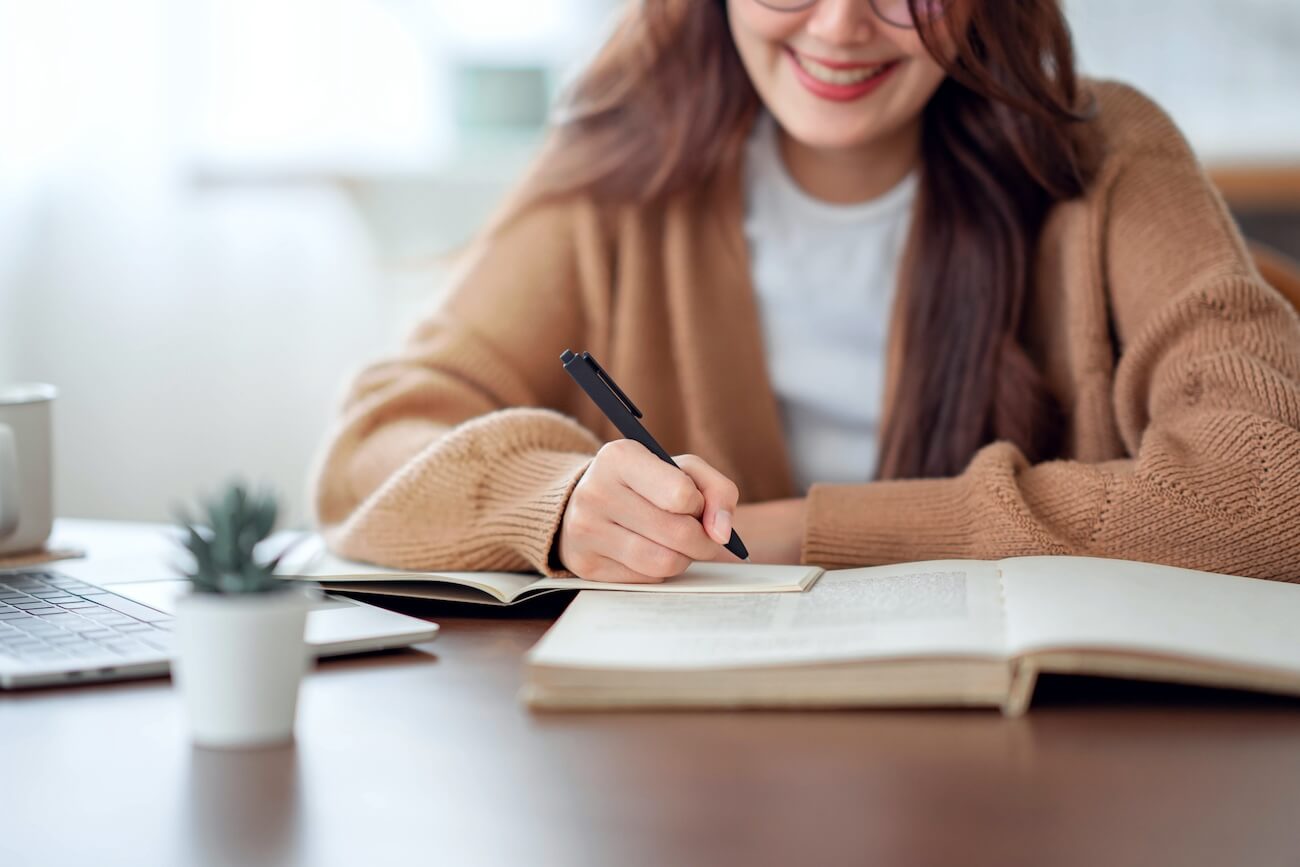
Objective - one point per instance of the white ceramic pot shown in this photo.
(239, 661)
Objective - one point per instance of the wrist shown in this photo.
(773, 530)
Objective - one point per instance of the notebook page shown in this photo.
(1083, 602)
(707, 578)
(311, 560)
(937, 608)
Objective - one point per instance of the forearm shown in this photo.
(773, 531)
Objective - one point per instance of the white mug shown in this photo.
(26, 467)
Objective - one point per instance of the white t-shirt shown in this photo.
(824, 275)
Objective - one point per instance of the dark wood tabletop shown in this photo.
(428, 755)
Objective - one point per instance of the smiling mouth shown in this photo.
(841, 76)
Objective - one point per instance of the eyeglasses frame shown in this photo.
(806, 4)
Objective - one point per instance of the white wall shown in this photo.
(1226, 70)
(194, 331)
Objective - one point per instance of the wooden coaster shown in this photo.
(34, 558)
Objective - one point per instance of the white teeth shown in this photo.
(825, 73)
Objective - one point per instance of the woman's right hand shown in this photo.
(635, 519)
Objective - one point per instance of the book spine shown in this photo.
(1024, 677)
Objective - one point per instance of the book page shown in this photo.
(1066, 603)
(937, 608)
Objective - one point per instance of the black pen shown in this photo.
(620, 410)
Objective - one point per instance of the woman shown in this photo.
(900, 284)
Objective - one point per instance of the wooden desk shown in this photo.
(427, 755)
(1268, 187)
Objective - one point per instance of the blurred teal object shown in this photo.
(501, 97)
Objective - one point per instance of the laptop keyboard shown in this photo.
(49, 617)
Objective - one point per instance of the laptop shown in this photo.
(62, 628)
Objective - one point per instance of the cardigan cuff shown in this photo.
(522, 510)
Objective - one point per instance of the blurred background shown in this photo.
(212, 212)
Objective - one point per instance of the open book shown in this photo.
(945, 632)
(311, 561)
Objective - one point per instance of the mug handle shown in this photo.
(9, 504)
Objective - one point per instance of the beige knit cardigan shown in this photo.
(1177, 366)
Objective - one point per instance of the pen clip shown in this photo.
(613, 386)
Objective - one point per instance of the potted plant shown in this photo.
(240, 634)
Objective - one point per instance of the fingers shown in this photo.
(681, 533)
(634, 518)
(662, 484)
(620, 555)
(645, 557)
(720, 496)
(591, 538)
(609, 571)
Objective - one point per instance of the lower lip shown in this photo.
(840, 92)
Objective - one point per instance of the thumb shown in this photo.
(720, 496)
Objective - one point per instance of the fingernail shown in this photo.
(722, 525)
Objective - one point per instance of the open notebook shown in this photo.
(311, 561)
(935, 633)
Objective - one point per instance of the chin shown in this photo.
(824, 134)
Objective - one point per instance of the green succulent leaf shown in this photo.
(224, 549)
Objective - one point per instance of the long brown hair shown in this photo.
(667, 103)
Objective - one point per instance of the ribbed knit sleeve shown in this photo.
(1206, 397)
(452, 454)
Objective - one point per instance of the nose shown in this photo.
(842, 22)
